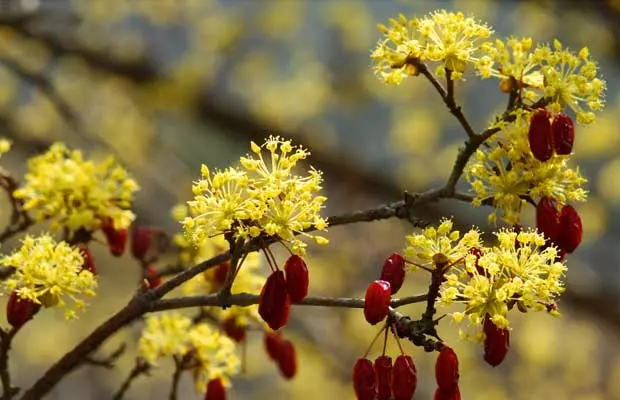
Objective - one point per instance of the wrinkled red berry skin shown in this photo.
(89, 261)
(539, 136)
(152, 278)
(404, 378)
(287, 360)
(570, 229)
(447, 369)
(563, 134)
(383, 372)
(441, 394)
(233, 330)
(377, 301)
(274, 304)
(547, 218)
(215, 390)
(273, 345)
(394, 272)
(19, 311)
(364, 379)
(496, 343)
(297, 279)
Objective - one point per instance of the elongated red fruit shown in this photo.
(447, 369)
(547, 218)
(539, 136)
(274, 304)
(296, 278)
(570, 229)
(215, 390)
(496, 343)
(364, 379)
(273, 344)
(453, 394)
(140, 241)
(404, 378)
(383, 370)
(563, 134)
(377, 301)
(117, 238)
(287, 359)
(394, 272)
(19, 311)
(233, 330)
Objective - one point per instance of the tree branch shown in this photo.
(140, 368)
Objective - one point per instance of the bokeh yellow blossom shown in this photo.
(76, 193)
(50, 273)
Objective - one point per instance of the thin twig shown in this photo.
(176, 377)
(106, 362)
(6, 337)
(140, 368)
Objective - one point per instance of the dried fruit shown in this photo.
(453, 394)
(394, 272)
(152, 278)
(140, 241)
(233, 330)
(377, 301)
(563, 134)
(296, 278)
(117, 238)
(539, 136)
(274, 304)
(447, 369)
(496, 342)
(570, 229)
(404, 378)
(383, 371)
(287, 359)
(89, 261)
(215, 390)
(19, 311)
(364, 379)
(547, 218)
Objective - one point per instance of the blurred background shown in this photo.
(166, 85)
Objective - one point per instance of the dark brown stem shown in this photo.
(176, 377)
(140, 368)
(6, 337)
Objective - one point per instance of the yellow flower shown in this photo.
(50, 273)
(164, 336)
(262, 197)
(215, 354)
(77, 193)
(519, 270)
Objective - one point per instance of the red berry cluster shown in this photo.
(280, 290)
(379, 293)
(546, 136)
(561, 228)
(282, 352)
(384, 381)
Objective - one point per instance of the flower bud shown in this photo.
(140, 241)
(364, 379)
(563, 134)
(287, 359)
(496, 342)
(274, 304)
(117, 238)
(19, 311)
(453, 394)
(394, 272)
(570, 229)
(404, 378)
(152, 278)
(89, 261)
(447, 369)
(539, 136)
(233, 330)
(377, 301)
(296, 278)
(547, 218)
(215, 390)
(383, 370)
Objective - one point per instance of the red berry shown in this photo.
(496, 342)
(570, 229)
(221, 273)
(540, 137)
(287, 359)
(215, 390)
(404, 378)
(547, 218)
(377, 301)
(563, 134)
(140, 241)
(233, 329)
(117, 238)
(274, 304)
(19, 311)
(453, 394)
(383, 370)
(89, 261)
(394, 272)
(296, 278)
(273, 344)
(364, 379)
(152, 278)
(447, 369)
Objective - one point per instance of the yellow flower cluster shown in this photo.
(173, 334)
(261, 197)
(49, 273)
(519, 271)
(76, 193)
(450, 39)
(508, 173)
